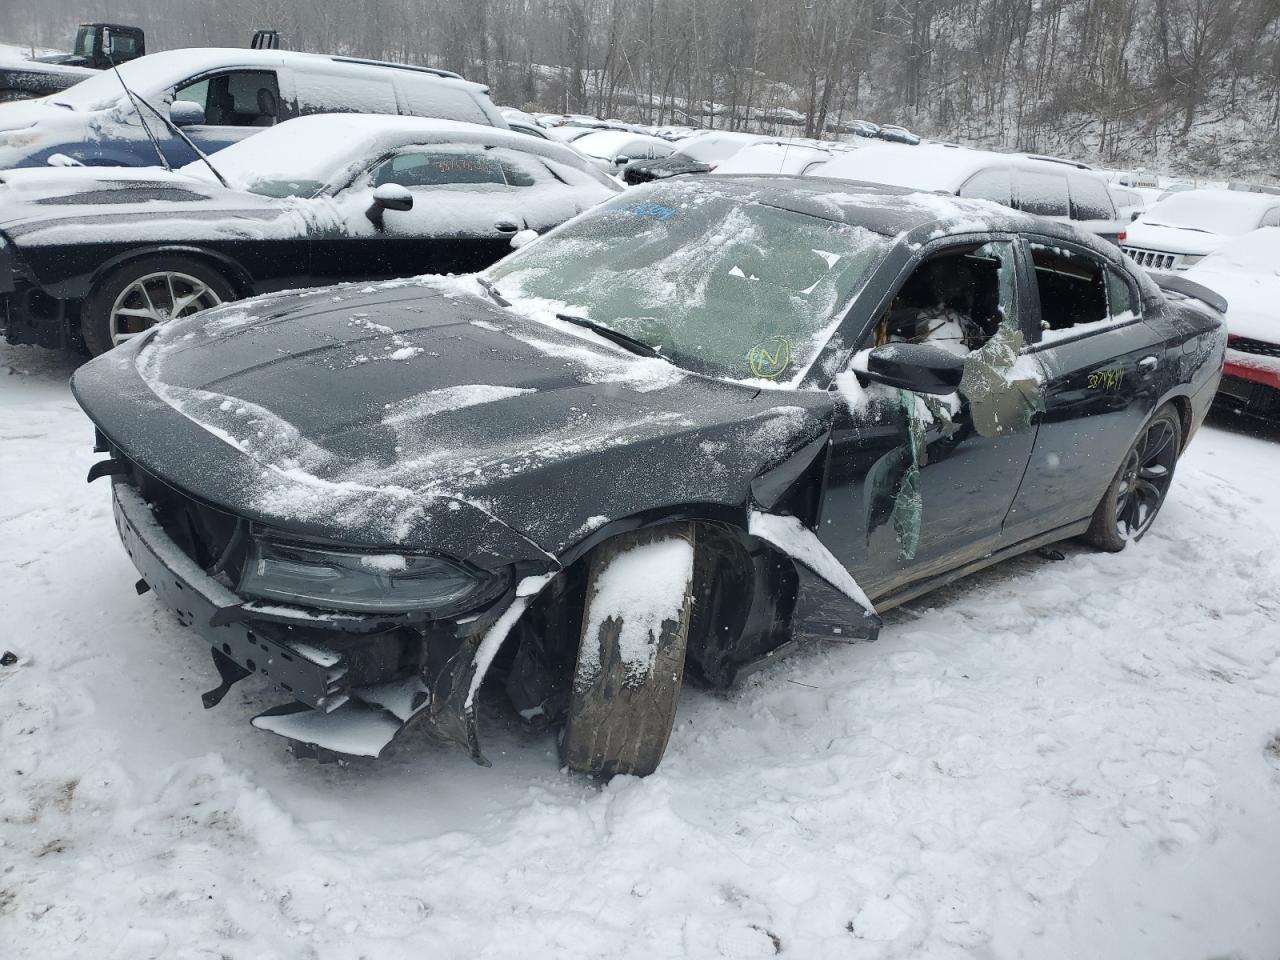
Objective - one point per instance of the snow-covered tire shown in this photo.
(98, 311)
(630, 664)
(1145, 474)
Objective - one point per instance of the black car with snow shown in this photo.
(692, 426)
(97, 256)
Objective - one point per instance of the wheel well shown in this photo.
(736, 618)
(225, 266)
(1183, 406)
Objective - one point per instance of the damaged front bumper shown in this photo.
(357, 681)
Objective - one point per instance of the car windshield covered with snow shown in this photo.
(699, 276)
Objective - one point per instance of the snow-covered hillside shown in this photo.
(1053, 760)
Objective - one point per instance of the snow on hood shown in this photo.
(1226, 213)
(1150, 236)
(387, 424)
(1247, 272)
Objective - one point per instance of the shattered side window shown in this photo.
(955, 300)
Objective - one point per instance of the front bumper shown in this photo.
(356, 682)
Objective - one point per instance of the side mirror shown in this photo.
(184, 113)
(522, 238)
(388, 196)
(1135, 215)
(919, 367)
(621, 161)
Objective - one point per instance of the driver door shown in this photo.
(919, 484)
(464, 214)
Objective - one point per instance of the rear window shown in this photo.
(343, 93)
(1044, 194)
(425, 96)
(1089, 199)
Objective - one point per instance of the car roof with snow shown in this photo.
(158, 71)
(885, 209)
(320, 146)
(927, 166)
(606, 142)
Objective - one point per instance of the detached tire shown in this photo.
(630, 665)
(152, 290)
(1135, 496)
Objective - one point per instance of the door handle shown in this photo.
(1148, 364)
(506, 226)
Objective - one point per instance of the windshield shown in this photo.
(720, 285)
(103, 91)
(1218, 212)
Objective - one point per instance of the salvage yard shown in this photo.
(1054, 759)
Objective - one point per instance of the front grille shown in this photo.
(1257, 347)
(215, 540)
(1152, 259)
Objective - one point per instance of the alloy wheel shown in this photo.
(1147, 474)
(157, 298)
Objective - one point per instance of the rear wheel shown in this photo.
(149, 291)
(630, 666)
(1136, 494)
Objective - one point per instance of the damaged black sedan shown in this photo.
(684, 431)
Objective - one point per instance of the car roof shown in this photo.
(314, 146)
(888, 210)
(929, 166)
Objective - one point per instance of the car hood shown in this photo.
(1151, 236)
(421, 414)
(48, 205)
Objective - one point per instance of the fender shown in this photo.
(231, 269)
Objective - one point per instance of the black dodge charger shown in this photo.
(697, 424)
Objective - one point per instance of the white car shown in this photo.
(1179, 231)
(777, 156)
(1246, 271)
(614, 149)
(1049, 188)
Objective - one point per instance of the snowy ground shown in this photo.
(1073, 759)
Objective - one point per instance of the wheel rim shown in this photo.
(1145, 479)
(158, 298)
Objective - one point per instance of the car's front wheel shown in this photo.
(145, 292)
(630, 666)
(1136, 494)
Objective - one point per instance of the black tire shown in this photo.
(1138, 490)
(97, 312)
(619, 722)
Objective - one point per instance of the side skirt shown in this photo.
(910, 591)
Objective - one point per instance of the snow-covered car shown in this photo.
(1246, 272)
(691, 425)
(697, 154)
(95, 257)
(775, 156)
(1048, 188)
(219, 97)
(1184, 227)
(1129, 201)
(614, 149)
(896, 134)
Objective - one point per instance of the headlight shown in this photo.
(1190, 260)
(19, 138)
(348, 580)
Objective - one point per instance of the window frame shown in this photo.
(1037, 345)
(887, 279)
(284, 92)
